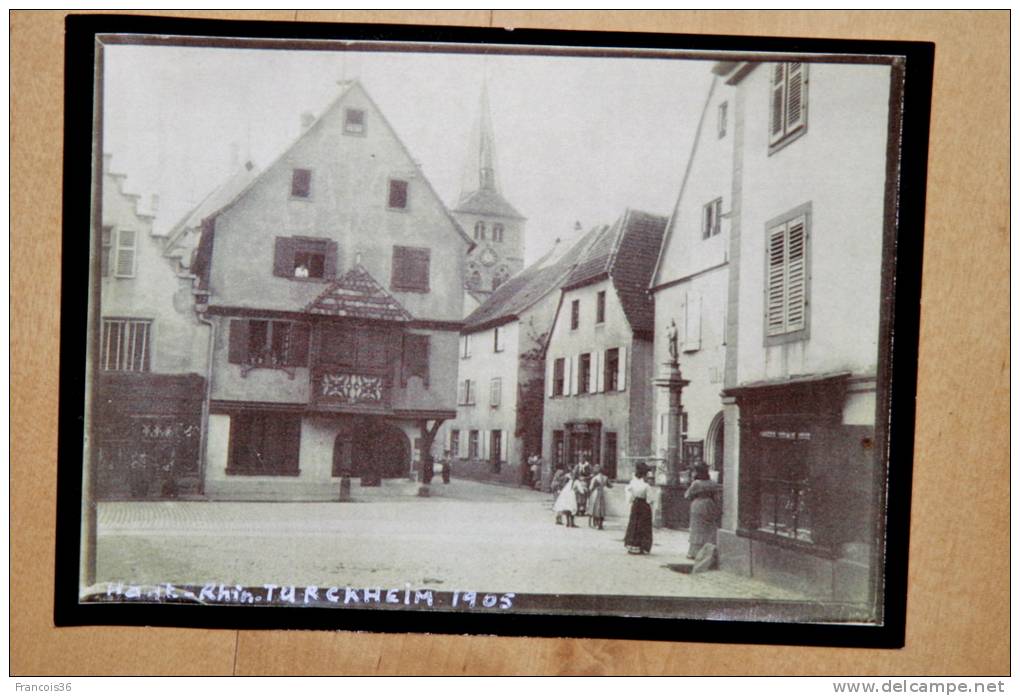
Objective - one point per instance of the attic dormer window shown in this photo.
(301, 183)
(354, 121)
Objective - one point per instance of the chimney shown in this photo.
(307, 119)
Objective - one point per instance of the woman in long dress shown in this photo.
(639, 528)
(566, 503)
(597, 498)
(705, 510)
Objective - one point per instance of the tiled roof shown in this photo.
(487, 201)
(527, 287)
(626, 252)
(356, 294)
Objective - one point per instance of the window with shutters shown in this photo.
(787, 103)
(559, 377)
(264, 444)
(410, 269)
(467, 393)
(415, 361)
(711, 219)
(473, 444)
(126, 345)
(465, 346)
(600, 307)
(305, 258)
(495, 449)
(268, 343)
(584, 374)
(107, 252)
(575, 314)
(127, 250)
(495, 392)
(354, 121)
(787, 278)
(612, 370)
(454, 443)
(480, 230)
(398, 194)
(301, 183)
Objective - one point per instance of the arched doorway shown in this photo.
(378, 450)
(715, 443)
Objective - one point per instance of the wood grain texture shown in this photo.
(958, 619)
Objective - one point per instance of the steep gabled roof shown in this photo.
(625, 252)
(347, 86)
(358, 295)
(527, 287)
(232, 186)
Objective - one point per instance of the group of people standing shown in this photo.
(582, 491)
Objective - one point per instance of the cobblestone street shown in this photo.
(467, 535)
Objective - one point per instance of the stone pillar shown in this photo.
(672, 501)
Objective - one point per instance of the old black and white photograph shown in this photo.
(527, 330)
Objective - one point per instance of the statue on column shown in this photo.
(671, 336)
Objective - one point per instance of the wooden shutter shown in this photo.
(777, 102)
(775, 282)
(462, 443)
(127, 246)
(462, 392)
(504, 446)
(237, 352)
(621, 370)
(572, 375)
(692, 322)
(796, 275)
(600, 381)
(592, 372)
(330, 263)
(415, 359)
(283, 257)
(485, 436)
(550, 377)
(297, 356)
(796, 102)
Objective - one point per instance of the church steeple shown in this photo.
(483, 212)
(486, 144)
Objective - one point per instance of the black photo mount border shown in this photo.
(897, 375)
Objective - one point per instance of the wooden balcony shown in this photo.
(345, 388)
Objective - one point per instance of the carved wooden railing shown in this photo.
(341, 386)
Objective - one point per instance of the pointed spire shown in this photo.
(486, 144)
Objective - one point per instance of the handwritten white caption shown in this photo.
(218, 593)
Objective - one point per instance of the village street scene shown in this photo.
(553, 355)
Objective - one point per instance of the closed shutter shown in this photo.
(504, 446)
(776, 116)
(462, 444)
(237, 352)
(283, 258)
(572, 389)
(692, 322)
(600, 382)
(621, 372)
(592, 372)
(415, 359)
(331, 262)
(550, 376)
(775, 300)
(796, 78)
(462, 392)
(486, 435)
(297, 356)
(127, 244)
(796, 283)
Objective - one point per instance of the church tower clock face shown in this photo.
(488, 256)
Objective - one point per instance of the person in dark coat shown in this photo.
(705, 510)
(597, 498)
(639, 527)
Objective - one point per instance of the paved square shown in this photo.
(467, 535)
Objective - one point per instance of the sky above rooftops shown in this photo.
(578, 139)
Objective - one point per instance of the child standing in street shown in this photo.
(566, 502)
